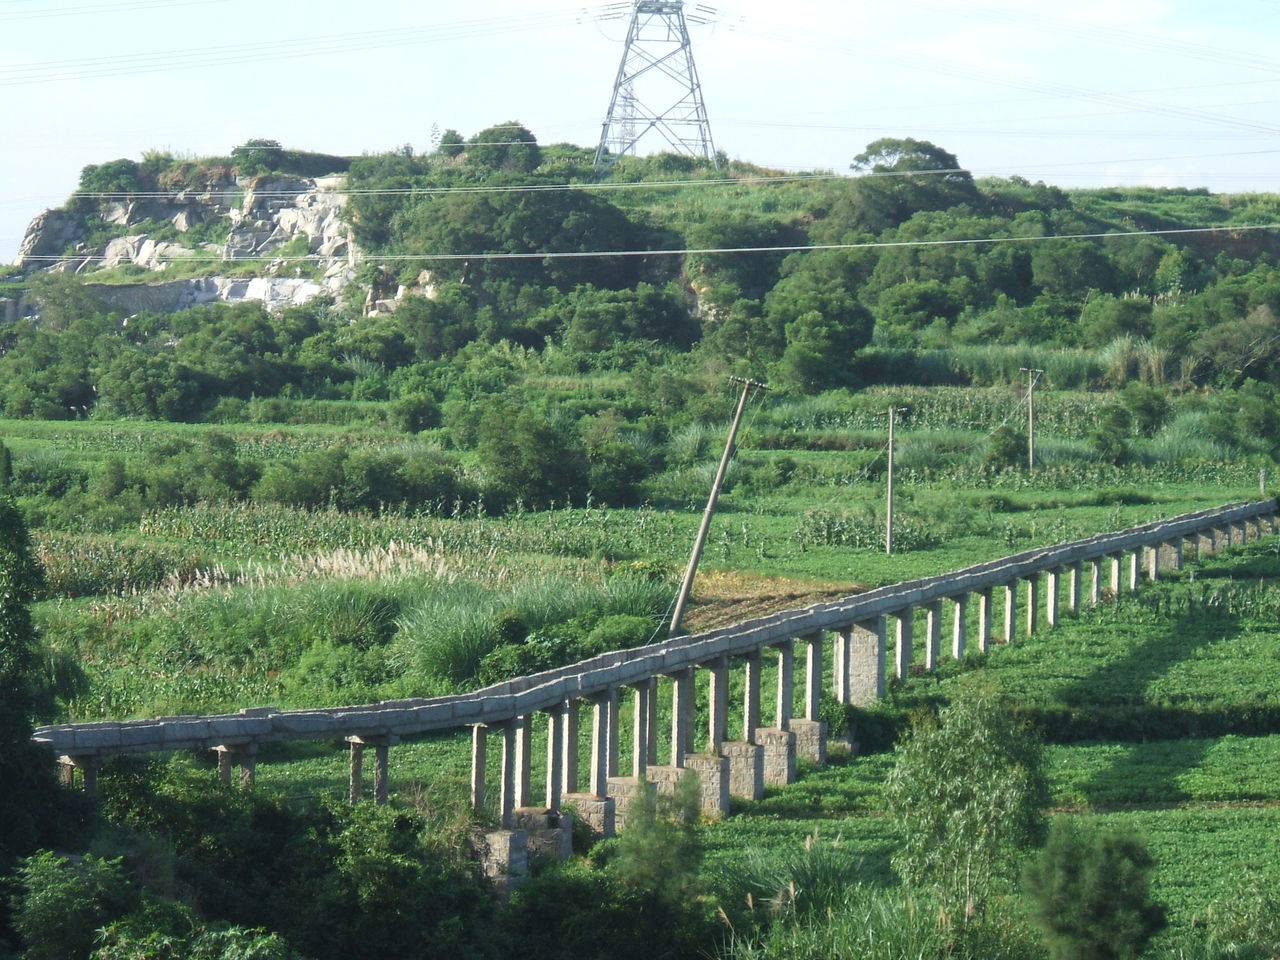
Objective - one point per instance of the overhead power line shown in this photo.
(279, 48)
(711, 251)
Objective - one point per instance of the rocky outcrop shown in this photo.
(273, 292)
(49, 235)
(261, 216)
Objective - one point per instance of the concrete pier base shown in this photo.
(598, 813)
(746, 769)
(624, 790)
(713, 782)
(549, 833)
(504, 860)
(779, 755)
(811, 740)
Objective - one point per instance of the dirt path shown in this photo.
(721, 599)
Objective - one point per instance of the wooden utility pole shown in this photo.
(1033, 377)
(687, 584)
(888, 522)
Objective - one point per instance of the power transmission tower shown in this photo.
(657, 61)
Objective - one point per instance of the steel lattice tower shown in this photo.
(658, 60)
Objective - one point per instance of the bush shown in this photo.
(967, 791)
(1091, 890)
(64, 900)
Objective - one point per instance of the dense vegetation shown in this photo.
(231, 508)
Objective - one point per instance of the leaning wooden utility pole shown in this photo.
(888, 522)
(1033, 377)
(687, 584)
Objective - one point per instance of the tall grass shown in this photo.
(444, 636)
(1186, 438)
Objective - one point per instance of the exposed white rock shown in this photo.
(262, 215)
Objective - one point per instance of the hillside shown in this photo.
(296, 430)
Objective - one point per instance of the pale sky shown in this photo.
(1076, 94)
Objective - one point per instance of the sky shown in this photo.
(1083, 93)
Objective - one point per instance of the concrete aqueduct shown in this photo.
(859, 632)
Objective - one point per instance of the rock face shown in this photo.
(261, 215)
(48, 236)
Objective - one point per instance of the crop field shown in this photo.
(1160, 709)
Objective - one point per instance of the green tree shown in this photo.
(25, 770)
(508, 146)
(967, 792)
(1092, 893)
(64, 900)
(892, 194)
(1006, 447)
(258, 156)
(819, 353)
(1111, 432)
(6, 467)
(529, 458)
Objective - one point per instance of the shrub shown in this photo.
(967, 791)
(1091, 890)
(1006, 447)
(64, 900)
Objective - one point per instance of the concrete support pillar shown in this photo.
(751, 696)
(959, 625)
(479, 758)
(381, 769)
(653, 720)
(717, 704)
(1052, 583)
(611, 726)
(1206, 543)
(904, 624)
(1011, 611)
(1075, 576)
(600, 738)
(524, 758)
(555, 757)
(247, 754)
(933, 634)
(786, 684)
(984, 619)
(681, 716)
(355, 783)
(88, 767)
(507, 789)
(866, 656)
(1116, 583)
(641, 728)
(813, 676)
(840, 643)
(1153, 561)
(1134, 563)
(1095, 581)
(569, 763)
(1033, 604)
